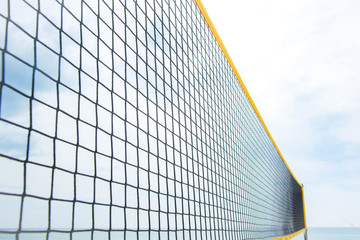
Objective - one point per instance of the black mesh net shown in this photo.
(124, 120)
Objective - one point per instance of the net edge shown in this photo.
(238, 77)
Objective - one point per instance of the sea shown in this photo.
(313, 234)
(331, 234)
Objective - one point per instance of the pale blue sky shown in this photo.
(299, 61)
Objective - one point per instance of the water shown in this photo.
(331, 234)
(313, 234)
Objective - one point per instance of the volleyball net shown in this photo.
(124, 119)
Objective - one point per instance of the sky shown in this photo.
(300, 62)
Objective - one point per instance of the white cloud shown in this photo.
(299, 61)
